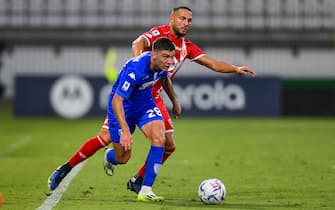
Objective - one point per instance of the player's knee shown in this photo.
(104, 133)
(169, 142)
(170, 149)
(158, 140)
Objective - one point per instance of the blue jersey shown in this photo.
(136, 79)
(134, 85)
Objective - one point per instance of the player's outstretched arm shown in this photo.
(224, 67)
(168, 88)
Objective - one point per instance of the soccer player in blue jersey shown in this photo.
(131, 103)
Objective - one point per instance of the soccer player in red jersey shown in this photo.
(179, 25)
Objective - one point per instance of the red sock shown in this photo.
(87, 150)
(166, 155)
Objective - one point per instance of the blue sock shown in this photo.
(111, 157)
(153, 164)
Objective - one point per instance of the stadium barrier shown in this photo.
(74, 96)
(309, 97)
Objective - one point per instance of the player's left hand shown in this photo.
(245, 69)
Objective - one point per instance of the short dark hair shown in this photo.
(180, 7)
(163, 44)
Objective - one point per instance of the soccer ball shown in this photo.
(212, 191)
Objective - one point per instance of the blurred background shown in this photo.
(54, 55)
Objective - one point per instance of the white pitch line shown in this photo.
(57, 194)
(23, 141)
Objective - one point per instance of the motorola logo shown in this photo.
(71, 97)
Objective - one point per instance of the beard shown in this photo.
(179, 32)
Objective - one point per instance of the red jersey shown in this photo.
(184, 48)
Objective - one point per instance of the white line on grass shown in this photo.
(21, 142)
(57, 194)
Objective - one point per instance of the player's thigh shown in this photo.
(154, 130)
(150, 121)
(169, 129)
(165, 114)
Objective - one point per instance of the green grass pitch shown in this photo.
(265, 163)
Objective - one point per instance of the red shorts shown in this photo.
(105, 124)
(165, 113)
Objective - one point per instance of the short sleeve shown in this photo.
(151, 35)
(127, 83)
(194, 52)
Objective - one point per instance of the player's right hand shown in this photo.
(126, 140)
(245, 69)
(176, 110)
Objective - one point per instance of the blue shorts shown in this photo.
(134, 116)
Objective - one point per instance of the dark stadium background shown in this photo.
(290, 40)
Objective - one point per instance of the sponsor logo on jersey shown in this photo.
(148, 35)
(155, 33)
(132, 75)
(125, 86)
(147, 84)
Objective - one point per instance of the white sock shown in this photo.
(146, 190)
